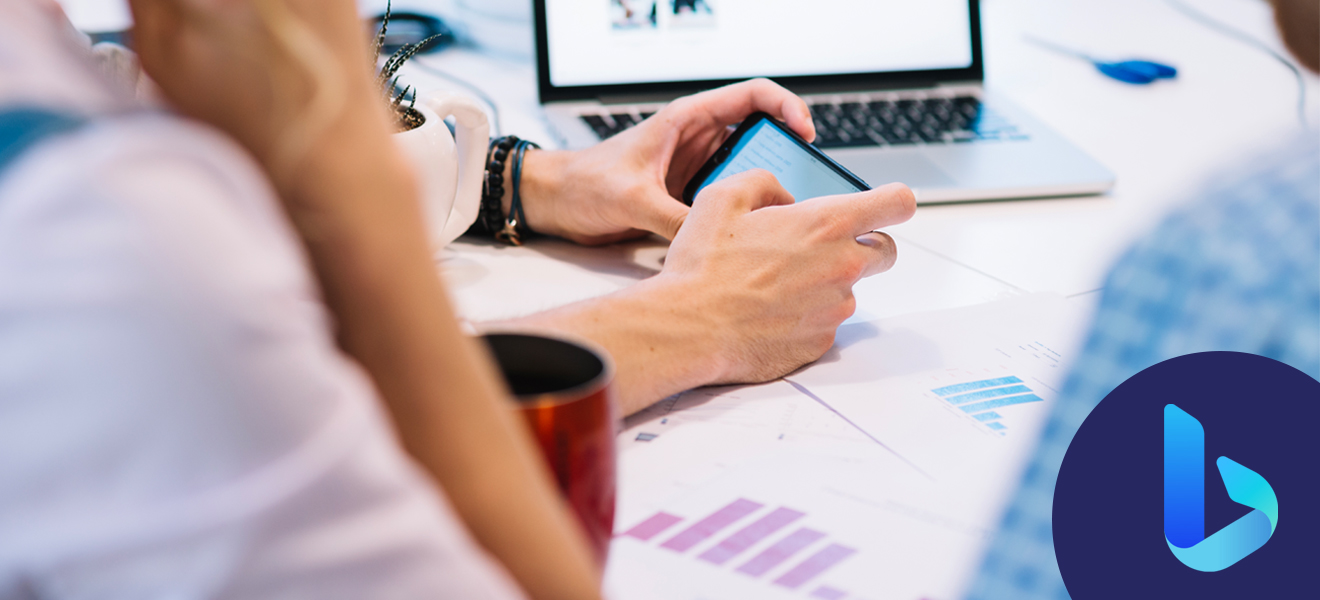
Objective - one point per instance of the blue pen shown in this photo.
(1137, 72)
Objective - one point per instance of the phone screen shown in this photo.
(764, 146)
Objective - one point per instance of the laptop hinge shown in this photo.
(815, 90)
(638, 98)
(811, 90)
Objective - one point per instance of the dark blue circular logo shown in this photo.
(1197, 478)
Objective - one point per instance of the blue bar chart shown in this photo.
(794, 556)
(982, 398)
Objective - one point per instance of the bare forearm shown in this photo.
(660, 344)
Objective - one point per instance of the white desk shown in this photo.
(1162, 141)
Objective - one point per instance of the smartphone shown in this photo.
(761, 142)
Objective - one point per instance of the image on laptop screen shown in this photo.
(606, 42)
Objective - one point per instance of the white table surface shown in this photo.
(1162, 141)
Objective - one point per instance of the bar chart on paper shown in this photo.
(751, 540)
(993, 396)
(982, 398)
(956, 424)
(838, 522)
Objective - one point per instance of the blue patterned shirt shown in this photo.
(1237, 271)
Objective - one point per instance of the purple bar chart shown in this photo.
(780, 552)
(828, 593)
(711, 525)
(651, 527)
(750, 535)
(817, 564)
(773, 531)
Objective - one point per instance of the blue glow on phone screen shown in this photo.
(765, 147)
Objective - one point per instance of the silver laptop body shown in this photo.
(935, 129)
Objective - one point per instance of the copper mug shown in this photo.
(564, 394)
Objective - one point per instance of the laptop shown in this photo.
(895, 88)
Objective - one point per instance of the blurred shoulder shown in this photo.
(1237, 269)
(172, 198)
(153, 290)
(1262, 217)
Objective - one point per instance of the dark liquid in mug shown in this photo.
(534, 366)
(535, 385)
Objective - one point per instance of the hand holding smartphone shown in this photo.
(761, 142)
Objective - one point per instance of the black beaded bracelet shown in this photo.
(491, 209)
(489, 213)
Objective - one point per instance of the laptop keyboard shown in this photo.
(609, 124)
(941, 120)
(945, 120)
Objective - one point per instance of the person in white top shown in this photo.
(228, 368)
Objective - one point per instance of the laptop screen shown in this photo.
(613, 42)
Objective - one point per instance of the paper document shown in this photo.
(877, 472)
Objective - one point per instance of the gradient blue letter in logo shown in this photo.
(1184, 500)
